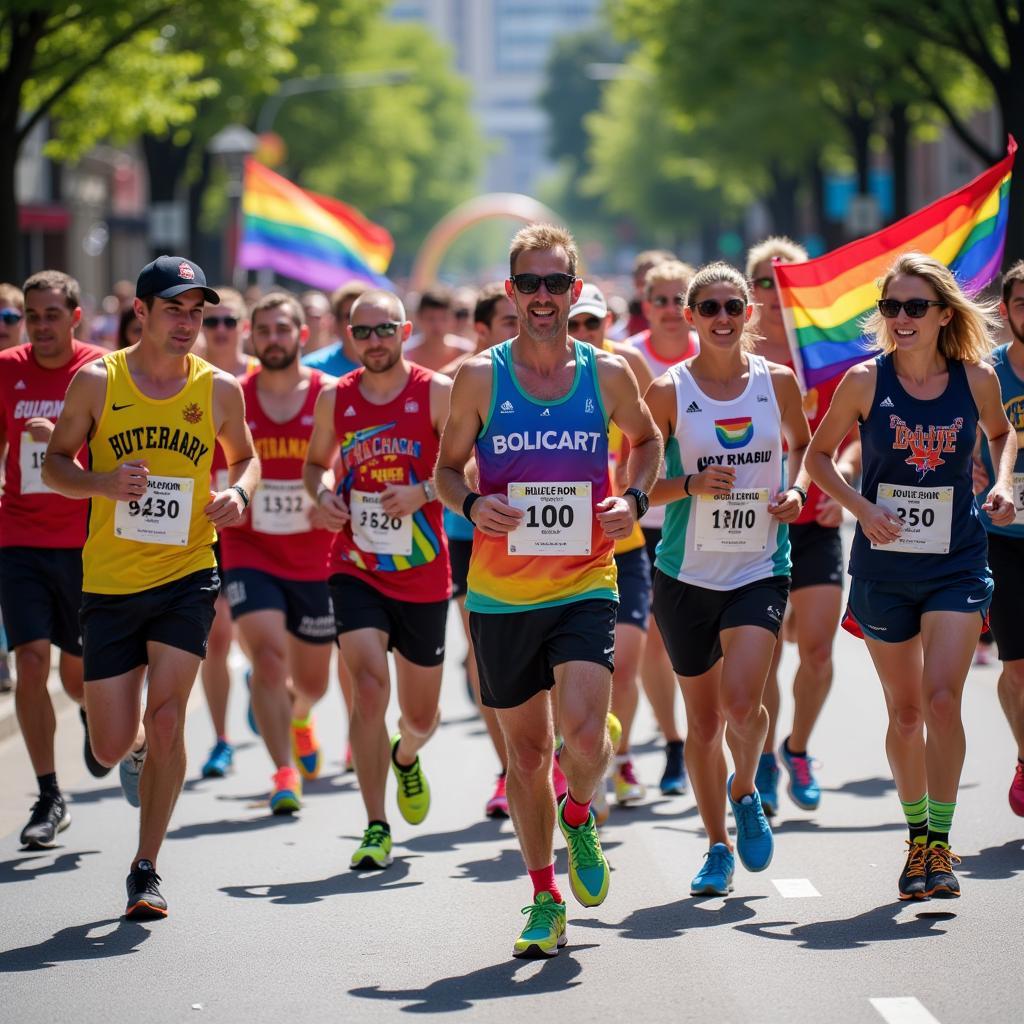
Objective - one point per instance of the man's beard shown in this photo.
(279, 360)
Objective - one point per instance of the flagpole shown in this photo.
(790, 324)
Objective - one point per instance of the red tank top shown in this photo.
(275, 536)
(219, 466)
(406, 558)
(31, 515)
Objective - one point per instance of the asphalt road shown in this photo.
(268, 923)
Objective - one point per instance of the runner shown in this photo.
(589, 318)
(12, 315)
(722, 566)
(152, 415)
(1006, 543)
(816, 591)
(542, 577)
(921, 587)
(667, 341)
(224, 326)
(275, 561)
(392, 580)
(436, 344)
(41, 536)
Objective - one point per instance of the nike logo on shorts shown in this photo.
(608, 650)
(976, 600)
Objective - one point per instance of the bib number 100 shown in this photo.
(550, 516)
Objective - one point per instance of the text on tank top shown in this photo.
(1012, 389)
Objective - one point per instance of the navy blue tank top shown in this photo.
(916, 443)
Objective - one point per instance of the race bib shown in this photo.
(1018, 499)
(558, 519)
(376, 532)
(736, 522)
(280, 506)
(30, 460)
(927, 514)
(161, 516)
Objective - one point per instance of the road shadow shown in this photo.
(660, 810)
(995, 862)
(500, 981)
(485, 831)
(805, 826)
(508, 866)
(325, 785)
(34, 865)
(882, 924)
(76, 943)
(94, 796)
(873, 787)
(348, 883)
(234, 826)
(678, 918)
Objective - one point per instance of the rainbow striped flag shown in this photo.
(824, 299)
(309, 237)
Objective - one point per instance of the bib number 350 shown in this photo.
(927, 515)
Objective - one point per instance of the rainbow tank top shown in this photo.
(549, 458)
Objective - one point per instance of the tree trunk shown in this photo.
(781, 200)
(9, 234)
(1012, 109)
(899, 152)
(859, 128)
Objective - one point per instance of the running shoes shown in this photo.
(413, 788)
(50, 815)
(754, 842)
(374, 851)
(715, 875)
(912, 883)
(673, 779)
(219, 760)
(803, 788)
(628, 788)
(588, 868)
(544, 933)
(286, 795)
(96, 770)
(306, 748)
(497, 806)
(767, 782)
(1017, 791)
(144, 900)
(940, 882)
(130, 770)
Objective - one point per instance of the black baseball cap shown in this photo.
(168, 276)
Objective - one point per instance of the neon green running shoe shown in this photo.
(413, 788)
(374, 851)
(588, 869)
(544, 933)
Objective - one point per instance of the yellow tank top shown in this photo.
(139, 545)
(616, 454)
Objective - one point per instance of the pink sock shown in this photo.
(544, 881)
(575, 814)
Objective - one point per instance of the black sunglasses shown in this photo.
(711, 307)
(11, 316)
(590, 323)
(462, 314)
(556, 284)
(764, 283)
(916, 308)
(663, 300)
(387, 329)
(215, 321)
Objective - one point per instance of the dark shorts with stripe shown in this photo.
(817, 554)
(634, 578)
(305, 604)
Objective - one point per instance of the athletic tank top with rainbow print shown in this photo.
(549, 458)
(618, 455)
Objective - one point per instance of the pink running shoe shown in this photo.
(561, 783)
(497, 806)
(1017, 791)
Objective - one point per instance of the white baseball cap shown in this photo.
(590, 301)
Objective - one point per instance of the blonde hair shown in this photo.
(775, 247)
(539, 237)
(968, 335)
(667, 270)
(10, 295)
(723, 273)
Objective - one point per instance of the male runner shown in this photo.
(667, 340)
(275, 560)
(41, 536)
(12, 315)
(542, 590)
(392, 580)
(436, 344)
(152, 415)
(589, 319)
(316, 309)
(339, 357)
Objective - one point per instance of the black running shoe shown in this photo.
(144, 900)
(941, 883)
(50, 815)
(96, 770)
(912, 878)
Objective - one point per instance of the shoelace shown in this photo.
(941, 860)
(542, 915)
(748, 821)
(412, 781)
(715, 862)
(628, 774)
(801, 769)
(305, 740)
(41, 809)
(145, 881)
(585, 847)
(374, 836)
(916, 860)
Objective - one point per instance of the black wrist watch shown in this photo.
(801, 492)
(241, 493)
(641, 499)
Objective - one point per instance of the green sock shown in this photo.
(916, 813)
(940, 821)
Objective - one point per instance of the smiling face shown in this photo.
(664, 309)
(722, 330)
(543, 316)
(49, 322)
(911, 334)
(378, 354)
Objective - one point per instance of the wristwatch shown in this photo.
(430, 490)
(801, 492)
(641, 499)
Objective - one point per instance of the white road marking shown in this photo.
(795, 888)
(903, 1010)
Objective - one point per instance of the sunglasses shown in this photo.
(11, 316)
(385, 330)
(211, 322)
(556, 284)
(462, 314)
(916, 308)
(711, 307)
(764, 283)
(590, 323)
(661, 301)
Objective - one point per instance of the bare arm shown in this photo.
(317, 475)
(787, 505)
(227, 507)
(1002, 441)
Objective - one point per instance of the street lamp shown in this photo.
(232, 144)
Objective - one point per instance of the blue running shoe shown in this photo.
(803, 787)
(767, 782)
(130, 770)
(754, 842)
(219, 761)
(673, 779)
(715, 875)
(250, 716)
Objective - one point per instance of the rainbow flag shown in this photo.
(312, 238)
(734, 433)
(824, 299)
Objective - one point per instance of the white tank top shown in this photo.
(726, 543)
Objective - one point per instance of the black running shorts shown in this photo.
(633, 572)
(40, 595)
(1006, 560)
(458, 553)
(305, 604)
(817, 554)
